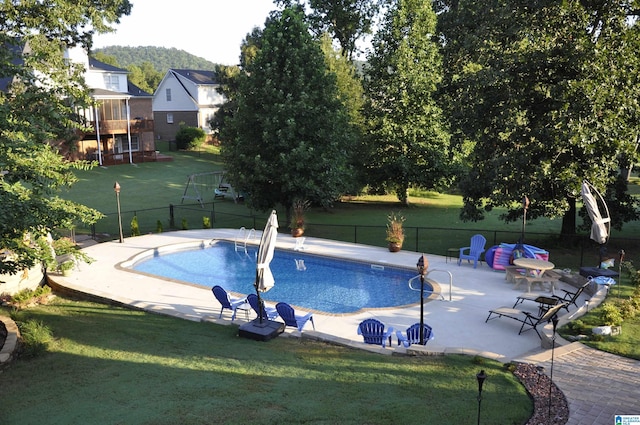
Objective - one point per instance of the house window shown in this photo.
(113, 109)
(122, 144)
(168, 92)
(169, 118)
(111, 82)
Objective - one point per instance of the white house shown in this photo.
(185, 96)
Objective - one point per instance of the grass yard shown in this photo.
(432, 221)
(110, 365)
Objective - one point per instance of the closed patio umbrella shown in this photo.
(600, 225)
(264, 277)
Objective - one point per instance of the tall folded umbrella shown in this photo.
(264, 277)
(600, 225)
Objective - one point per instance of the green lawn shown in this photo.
(109, 365)
(432, 221)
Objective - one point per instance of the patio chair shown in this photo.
(572, 297)
(527, 319)
(288, 314)
(226, 301)
(413, 335)
(474, 251)
(268, 313)
(373, 331)
(299, 244)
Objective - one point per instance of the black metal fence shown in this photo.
(566, 251)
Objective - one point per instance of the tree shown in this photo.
(291, 135)
(37, 108)
(407, 134)
(346, 20)
(546, 94)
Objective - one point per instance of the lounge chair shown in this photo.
(226, 301)
(288, 314)
(474, 251)
(268, 313)
(373, 331)
(526, 318)
(572, 297)
(413, 335)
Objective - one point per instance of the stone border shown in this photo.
(11, 342)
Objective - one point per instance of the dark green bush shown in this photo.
(190, 138)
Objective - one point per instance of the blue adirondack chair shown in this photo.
(268, 313)
(413, 335)
(226, 301)
(288, 314)
(373, 332)
(474, 251)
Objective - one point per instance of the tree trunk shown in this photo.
(569, 219)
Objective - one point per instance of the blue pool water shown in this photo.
(308, 281)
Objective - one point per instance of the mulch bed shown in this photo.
(539, 386)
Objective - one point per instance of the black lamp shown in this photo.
(480, 377)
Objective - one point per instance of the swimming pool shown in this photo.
(304, 280)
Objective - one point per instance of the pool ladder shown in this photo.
(426, 279)
(243, 236)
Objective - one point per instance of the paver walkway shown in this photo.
(597, 385)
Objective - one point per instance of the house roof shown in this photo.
(108, 94)
(96, 65)
(137, 91)
(15, 48)
(197, 76)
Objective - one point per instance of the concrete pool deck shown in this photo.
(457, 316)
(598, 386)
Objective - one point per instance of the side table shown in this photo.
(452, 253)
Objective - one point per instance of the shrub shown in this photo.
(184, 224)
(36, 337)
(206, 223)
(158, 226)
(26, 297)
(135, 228)
(189, 138)
(610, 314)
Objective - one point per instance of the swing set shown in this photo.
(201, 184)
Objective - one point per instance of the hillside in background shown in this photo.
(162, 58)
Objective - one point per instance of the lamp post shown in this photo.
(422, 265)
(480, 377)
(116, 188)
(554, 320)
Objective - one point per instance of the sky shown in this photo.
(211, 29)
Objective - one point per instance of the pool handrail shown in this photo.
(432, 280)
(244, 235)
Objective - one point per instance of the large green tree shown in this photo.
(346, 20)
(290, 135)
(407, 136)
(546, 94)
(38, 102)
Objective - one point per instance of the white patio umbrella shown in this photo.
(600, 225)
(264, 277)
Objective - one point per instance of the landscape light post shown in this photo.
(422, 268)
(480, 377)
(116, 188)
(554, 320)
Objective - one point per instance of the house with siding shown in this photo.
(120, 122)
(185, 96)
